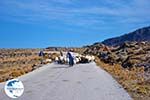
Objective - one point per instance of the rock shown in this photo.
(129, 54)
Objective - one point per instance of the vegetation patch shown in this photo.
(135, 80)
(17, 62)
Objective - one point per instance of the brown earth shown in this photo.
(128, 63)
(16, 62)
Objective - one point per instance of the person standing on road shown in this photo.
(41, 54)
(71, 59)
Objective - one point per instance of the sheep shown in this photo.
(56, 59)
(48, 60)
(90, 58)
(77, 59)
(61, 60)
(86, 59)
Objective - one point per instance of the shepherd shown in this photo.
(71, 59)
(41, 54)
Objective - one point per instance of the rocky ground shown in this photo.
(16, 62)
(129, 54)
(129, 63)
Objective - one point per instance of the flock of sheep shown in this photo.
(63, 59)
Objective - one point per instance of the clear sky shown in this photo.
(43, 23)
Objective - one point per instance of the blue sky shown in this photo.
(43, 23)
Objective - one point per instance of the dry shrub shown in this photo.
(132, 80)
(16, 62)
(3, 72)
(15, 73)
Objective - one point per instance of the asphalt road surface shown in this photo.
(60, 82)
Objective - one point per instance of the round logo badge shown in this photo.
(14, 88)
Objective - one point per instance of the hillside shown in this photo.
(127, 59)
(142, 34)
(16, 62)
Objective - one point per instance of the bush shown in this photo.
(132, 80)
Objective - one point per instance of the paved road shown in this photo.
(60, 82)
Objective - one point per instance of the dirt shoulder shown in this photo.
(135, 81)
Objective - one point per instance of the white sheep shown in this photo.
(90, 58)
(48, 60)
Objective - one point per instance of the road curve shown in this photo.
(60, 82)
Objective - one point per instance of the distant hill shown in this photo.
(139, 35)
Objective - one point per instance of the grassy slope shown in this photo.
(134, 80)
(16, 62)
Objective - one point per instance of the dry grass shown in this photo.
(134, 80)
(17, 62)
